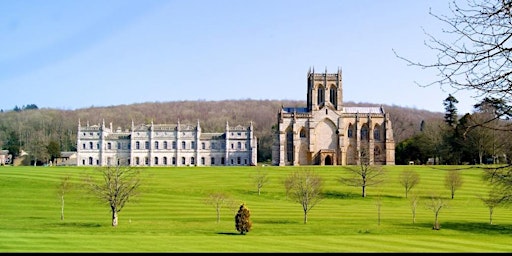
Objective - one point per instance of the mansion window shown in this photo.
(156, 144)
(165, 144)
(146, 145)
(137, 145)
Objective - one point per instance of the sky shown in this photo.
(94, 53)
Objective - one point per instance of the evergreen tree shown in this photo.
(243, 223)
(450, 116)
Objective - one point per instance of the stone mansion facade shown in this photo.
(325, 132)
(165, 145)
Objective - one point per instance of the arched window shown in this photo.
(156, 160)
(165, 144)
(192, 161)
(183, 144)
(146, 145)
(376, 132)
(332, 94)
(156, 144)
(239, 145)
(364, 132)
(137, 145)
(350, 131)
(183, 161)
(302, 132)
(320, 95)
(164, 160)
(109, 145)
(90, 145)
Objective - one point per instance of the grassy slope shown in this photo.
(170, 216)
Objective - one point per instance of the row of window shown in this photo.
(321, 95)
(109, 145)
(350, 133)
(164, 161)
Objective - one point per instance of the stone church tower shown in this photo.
(327, 133)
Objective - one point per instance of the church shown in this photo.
(325, 132)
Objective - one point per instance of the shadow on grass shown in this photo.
(470, 227)
(229, 233)
(278, 222)
(79, 225)
(479, 228)
(340, 195)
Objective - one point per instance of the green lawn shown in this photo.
(170, 215)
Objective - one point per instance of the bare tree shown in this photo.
(364, 176)
(492, 201)
(243, 223)
(409, 179)
(435, 204)
(413, 202)
(378, 203)
(500, 180)
(305, 188)
(478, 55)
(453, 181)
(118, 185)
(218, 200)
(63, 189)
(260, 178)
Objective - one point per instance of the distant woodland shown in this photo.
(32, 129)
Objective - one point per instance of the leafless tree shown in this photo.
(260, 178)
(118, 185)
(63, 189)
(492, 201)
(413, 202)
(453, 181)
(305, 188)
(218, 200)
(477, 54)
(436, 203)
(364, 176)
(409, 179)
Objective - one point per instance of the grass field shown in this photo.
(170, 215)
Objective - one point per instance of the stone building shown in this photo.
(165, 145)
(325, 132)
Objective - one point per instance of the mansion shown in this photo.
(325, 132)
(165, 145)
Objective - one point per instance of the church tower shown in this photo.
(324, 89)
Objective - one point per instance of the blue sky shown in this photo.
(81, 53)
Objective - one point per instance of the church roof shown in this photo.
(364, 110)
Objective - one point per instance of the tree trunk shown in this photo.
(305, 217)
(114, 218)
(62, 208)
(364, 190)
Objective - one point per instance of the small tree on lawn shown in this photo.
(453, 181)
(435, 204)
(260, 178)
(409, 179)
(413, 202)
(63, 189)
(118, 185)
(217, 200)
(243, 223)
(305, 188)
(492, 201)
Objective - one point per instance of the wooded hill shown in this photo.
(37, 127)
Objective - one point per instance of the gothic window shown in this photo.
(303, 133)
(332, 94)
(289, 145)
(350, 131)
(321, 94)
(364, 132)
(376, 132)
